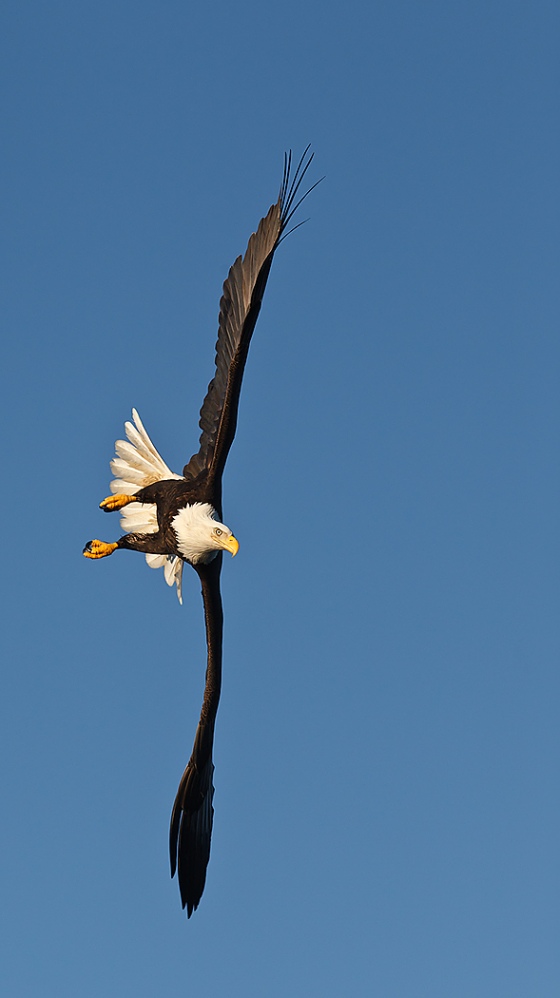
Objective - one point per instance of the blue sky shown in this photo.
(387, 744)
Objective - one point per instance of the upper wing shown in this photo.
(239, 309)
(191, 820)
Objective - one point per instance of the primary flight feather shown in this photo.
(175, 519)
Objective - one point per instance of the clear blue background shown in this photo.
(387, 818)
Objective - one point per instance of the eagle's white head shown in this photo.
(200, 535)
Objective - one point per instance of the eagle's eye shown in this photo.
(218, 532)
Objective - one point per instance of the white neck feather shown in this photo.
(193, 527)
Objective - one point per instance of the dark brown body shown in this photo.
(169, 495)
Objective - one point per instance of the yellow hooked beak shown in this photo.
(231, 544)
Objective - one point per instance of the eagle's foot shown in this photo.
(98, 549)
(115, 502)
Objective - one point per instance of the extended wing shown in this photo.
(239, 309)
(191, 820)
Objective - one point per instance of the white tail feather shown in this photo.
(156, 560)
(172, 570)
(139, 518)
(138, 464)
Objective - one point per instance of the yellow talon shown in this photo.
(98, 549)
(115, 502)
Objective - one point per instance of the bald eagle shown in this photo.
(177, 519)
